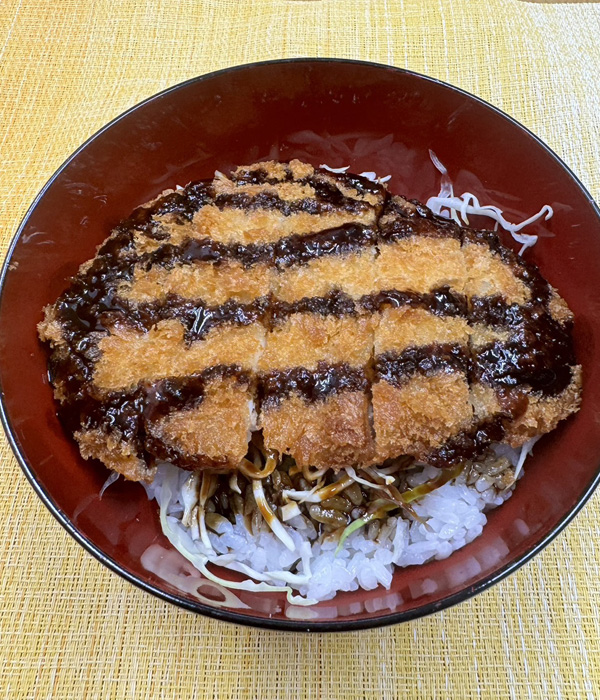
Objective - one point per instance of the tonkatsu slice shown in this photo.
(338, 324)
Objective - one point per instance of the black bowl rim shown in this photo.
(228, 615)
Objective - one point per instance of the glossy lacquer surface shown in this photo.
(340, 113)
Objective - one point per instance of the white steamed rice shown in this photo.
(454, 513)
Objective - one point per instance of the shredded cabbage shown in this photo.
(388, 478)
(353, 527)
(175, 533)
(369, 484)
(449, 205)
(111, 480)
(303, 496)
(318, 493)
(189, 497)
(289, 511)
(233, 483)
(526, 450)
(334, 170)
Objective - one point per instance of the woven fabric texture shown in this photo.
(68, 626)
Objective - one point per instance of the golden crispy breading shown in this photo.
(404, 327)
(544, 413)
(267, 225)
(217, 430)
(558, 308)
(115, 453)
(143, 244)
(129, 357)
(375, 200)
(216, 284)
(50, 330)
(206, 281)
(352, 274)
(275, 170)
(484, 401)
(487, 275)
(407, 250)
(286, 191)
(277, 175)
(481, 335)
(176, 232)
(421, 264)
(299, 169)
(420, 415)
(333, 433)
(304, 340)
(397, 205)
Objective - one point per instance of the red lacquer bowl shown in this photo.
(366, 116)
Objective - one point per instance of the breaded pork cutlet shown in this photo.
(347, 325)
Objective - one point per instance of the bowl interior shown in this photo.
(340, 113)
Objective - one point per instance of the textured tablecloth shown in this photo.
(71, 628)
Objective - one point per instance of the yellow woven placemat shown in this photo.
(69, 627)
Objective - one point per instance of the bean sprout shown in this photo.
(271, 519)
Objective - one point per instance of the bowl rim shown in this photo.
(226, 614)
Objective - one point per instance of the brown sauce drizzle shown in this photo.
(469, 444)
(311, 385)
(441, 302)
(176, 393)
(337, 303)
(130, 414)
(197, 318)
(328, 196)
(259, 176)
(328, 199)
(120, 414)
(361, 184)
(161, 450)
(182, 203)
(426, 360)
(296, 250)
(92, 292)
(293, 250)
(494, 311)
(81, 307)
(538, 354)
(400, 220)
(513, 402)
(206, 250)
